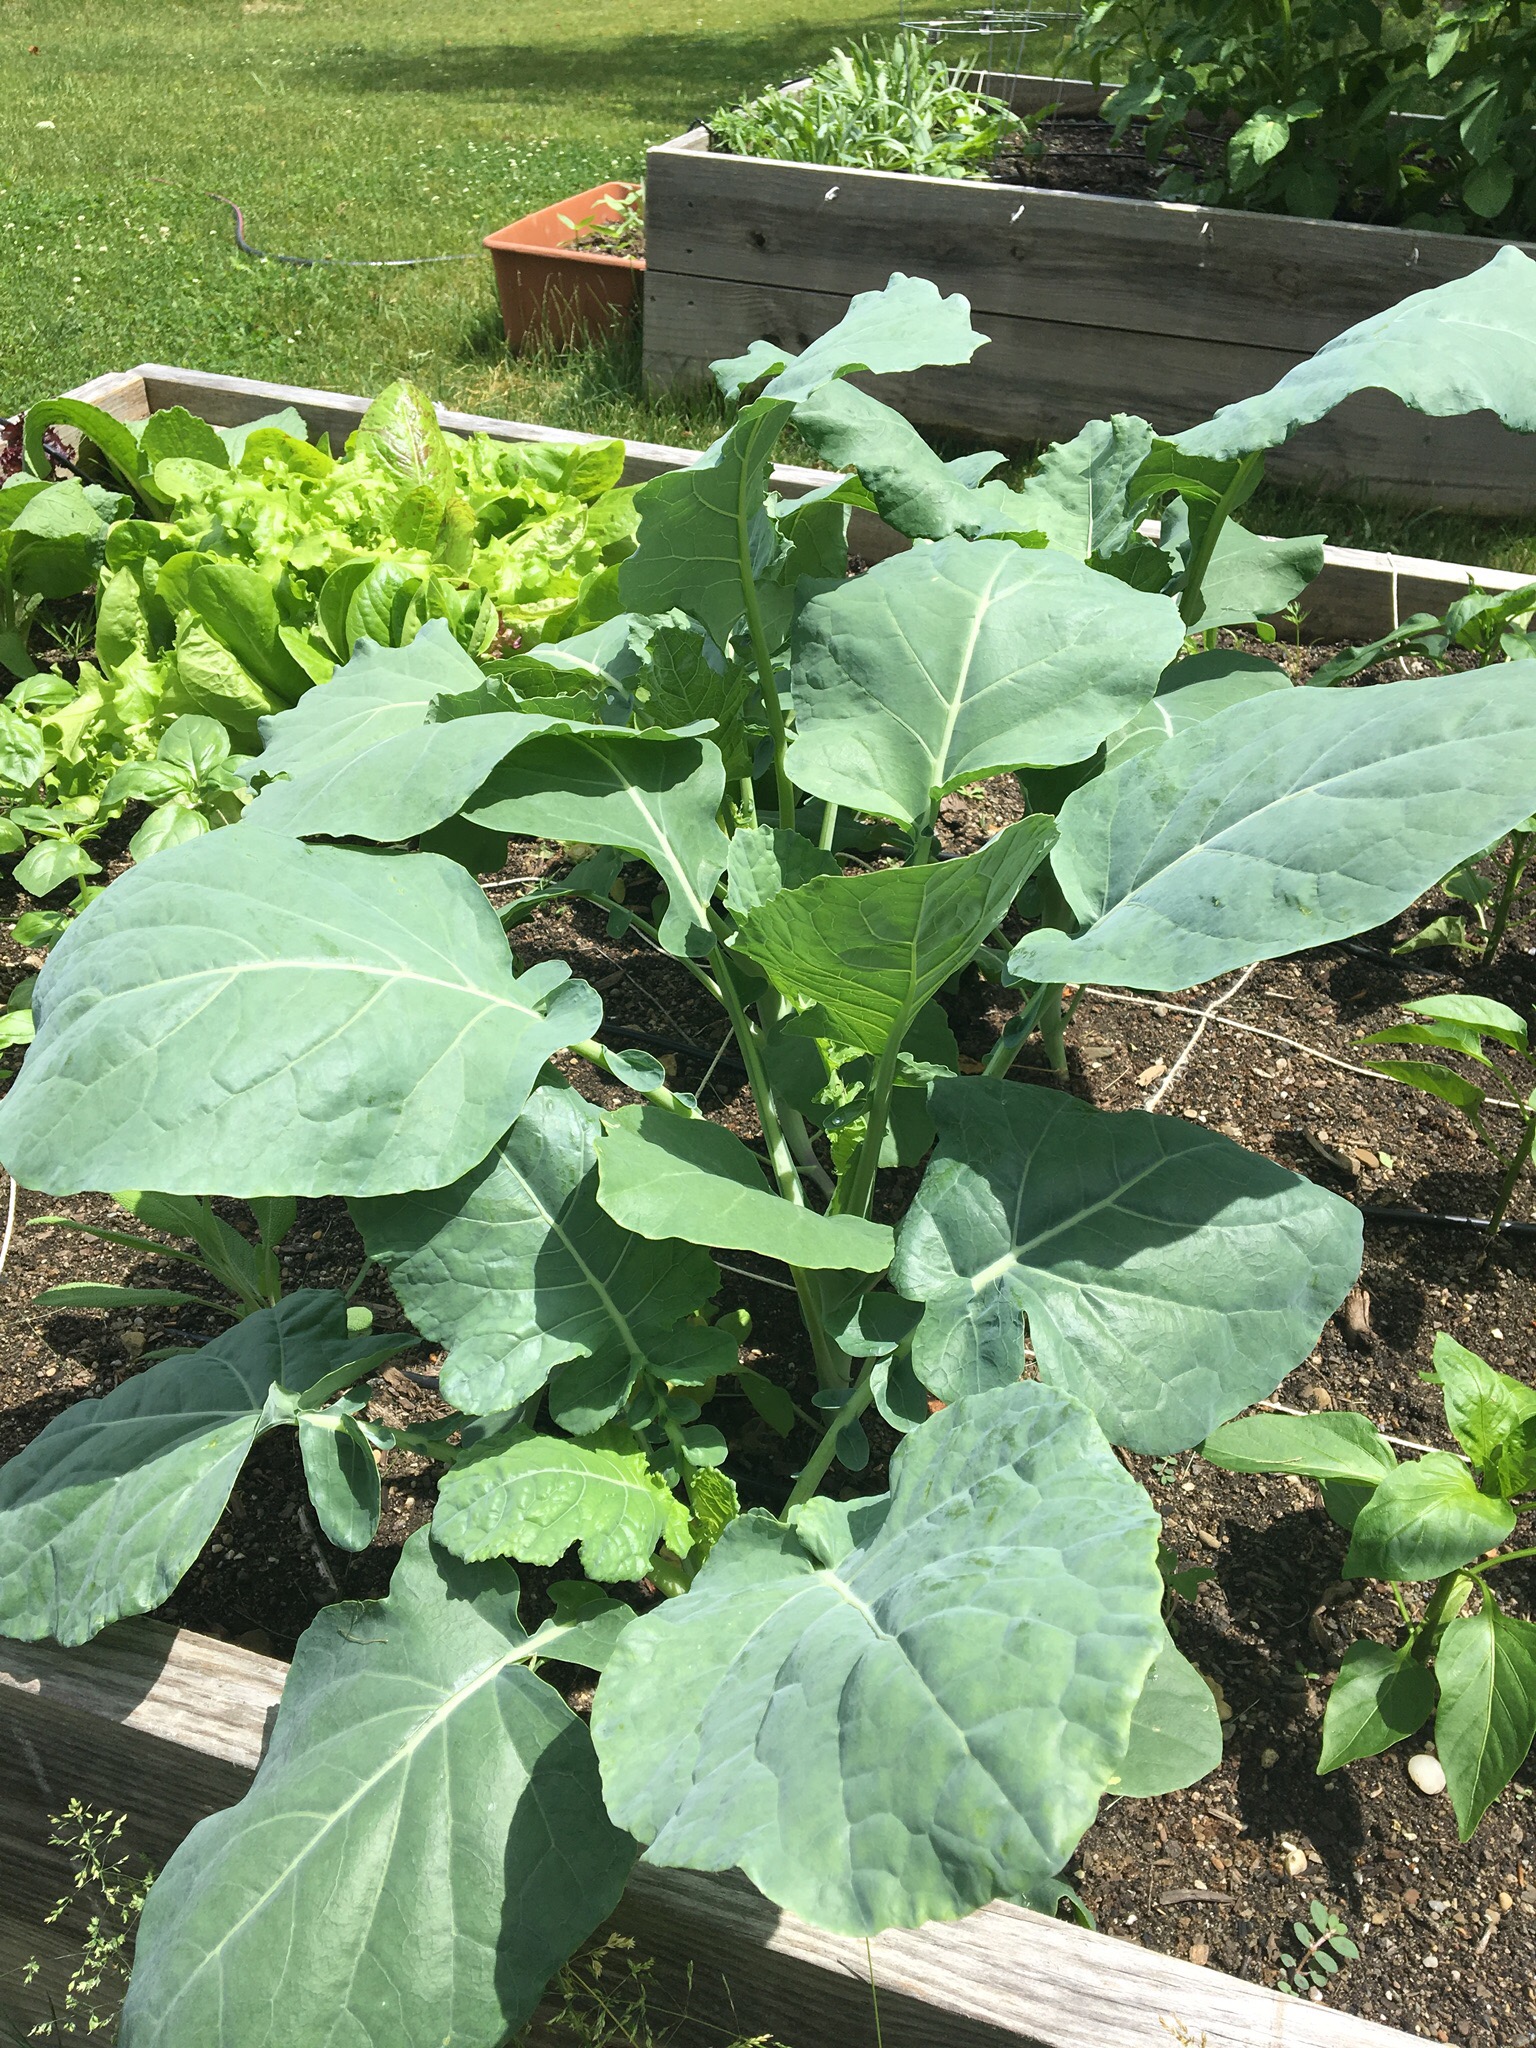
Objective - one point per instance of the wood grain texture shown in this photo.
(1095, 304)
(1040, 380)
(168, 1726)
(1137, 265)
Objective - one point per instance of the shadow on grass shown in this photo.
(658, 74)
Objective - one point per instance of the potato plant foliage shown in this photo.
(888, 1708)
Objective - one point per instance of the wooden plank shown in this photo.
(159, 1723)
(1002, 1976)
(168, 1726)
(1359, 595)
(1094, 260)
(1041, 379)
(119, 392)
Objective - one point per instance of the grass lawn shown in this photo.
(343, 128)
(387, 128)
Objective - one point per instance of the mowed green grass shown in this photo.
(343, 128)
(387, 128)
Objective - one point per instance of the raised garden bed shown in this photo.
(1094, 304)
(1200, 1873)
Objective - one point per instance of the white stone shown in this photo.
(1427, 1773)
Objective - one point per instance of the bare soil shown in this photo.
(1447, 1932)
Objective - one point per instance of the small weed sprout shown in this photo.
(105, 1884)
(1325, 1946)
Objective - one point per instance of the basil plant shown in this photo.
(887, 1707)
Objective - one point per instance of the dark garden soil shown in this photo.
(1447, 1933)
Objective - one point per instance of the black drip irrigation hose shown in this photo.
(1380, 1214)
(332, 262)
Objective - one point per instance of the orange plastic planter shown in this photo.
(550, 291)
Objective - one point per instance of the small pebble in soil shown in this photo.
(1295, 1861)
(1269, 1759)
(1427, 1773)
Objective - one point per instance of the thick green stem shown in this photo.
(1512, 1174)
(1448, 1599)
(764, 659)
(828, 826)
(1015, 1033)
(831, 1363)
(1493, 1563)
(817, 1465)
(856, 1189)
(1200, 559)
(1519, 854)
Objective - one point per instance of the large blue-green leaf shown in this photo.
(871, 949)
(1169, 1277)
(649, 793)
(104, 1512)
(911, 487)
(1282, 823)
(1462, 347)
(368, 757)
(908, 325)
(515, 1268)
(1250, 577)
(957, 661)
(531, 1496)
(424, 1844)
(1486, 1666)
(381, 693)
(1193, 688)
(1079, 495)
(249, 1015)
(1175, 1731)
(696, 524)
(906, 1706)
(665, 1176)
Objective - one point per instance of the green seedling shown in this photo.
(1442, 1521)
(1467, 1025)
(1324, 1946)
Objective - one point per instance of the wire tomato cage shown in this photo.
(983, 39)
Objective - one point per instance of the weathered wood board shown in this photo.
(169, 1725)
(1093, 304)
(1359, 595)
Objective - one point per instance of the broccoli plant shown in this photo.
(1442, 1520)
(885, 1707)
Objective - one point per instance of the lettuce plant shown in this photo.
(884, 1708)
(1443, 1520)
(254, 563)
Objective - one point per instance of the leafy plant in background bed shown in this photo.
(1442, 1519)
(883, 106)
(1303, 103)
(1464, 1024)
(888, 1708)
(255, 563)
(1494, 626)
